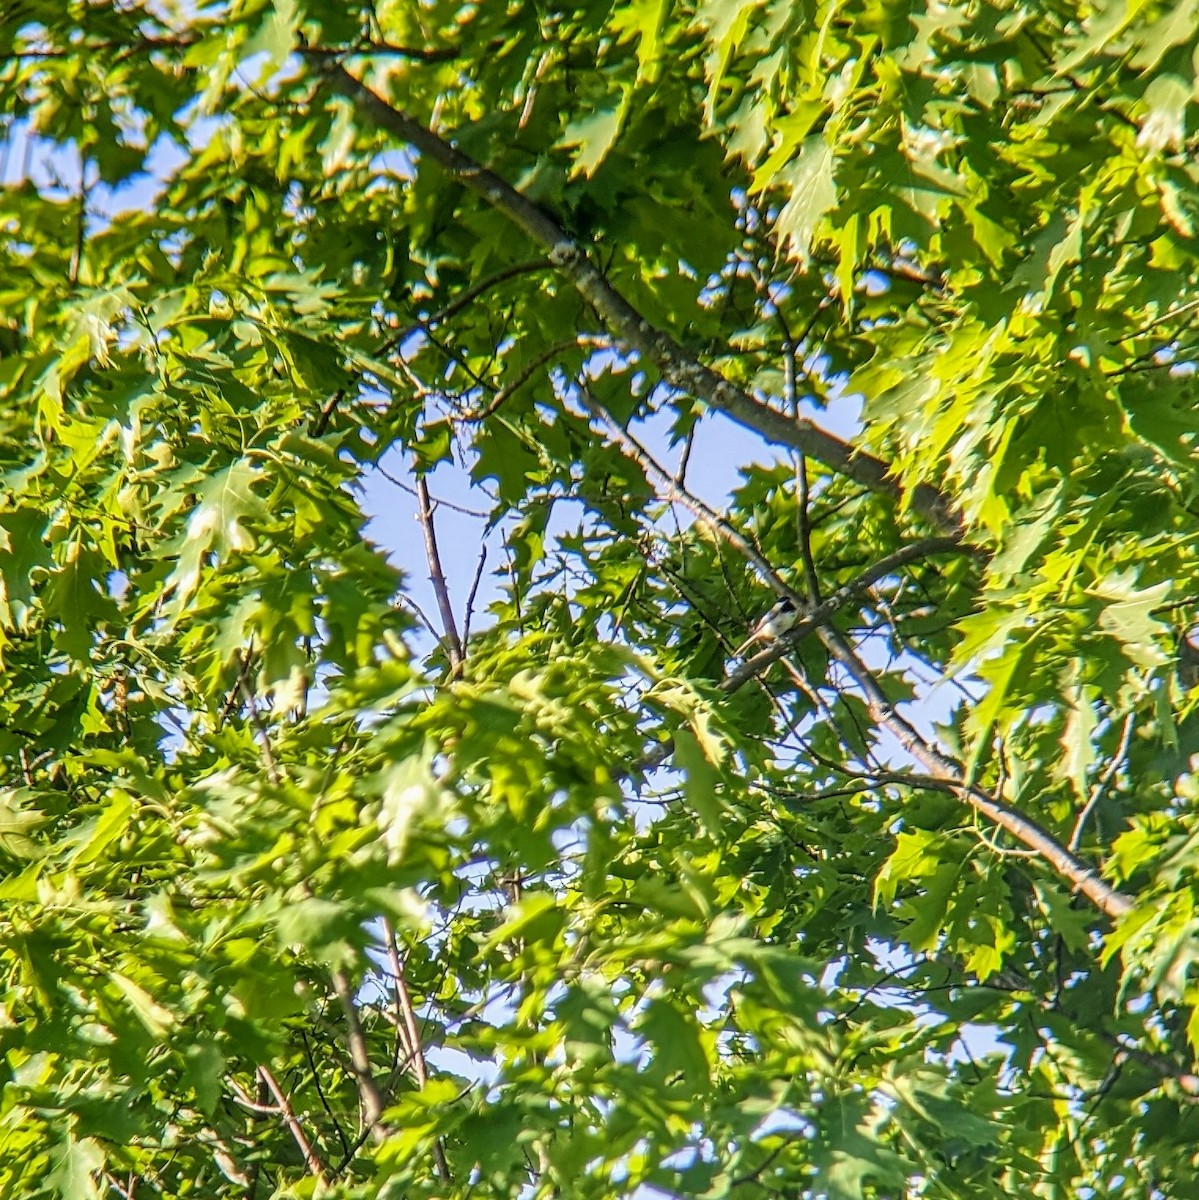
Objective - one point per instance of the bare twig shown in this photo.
(680, 475)
(76, 264)
(1024, 829)
(504, 394)
(127, 1190)
(260, 729)
(1186, 1080)
(245, 1100)
(1102, 783)
(437, 501)
(803, 521)
(320, 1091)
(674, 491)
(887, 565)
(423, 324)
(804, 528)
(474, 591)
(451, 641)
(384, 49)
(429, 54)
(422, 616)
(320, 423)
(312, 1161)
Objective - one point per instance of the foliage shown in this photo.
(299, 900)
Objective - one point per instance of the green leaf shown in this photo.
(218, 526)
(809, 183)
(275, 38)
(157, 1020)
(23, 551)
(594, 135)
(535, 918)
(1077, 740)
(701, 779)
(644, 21)
(1128, 616)
(678, 1047)
(76, 1167)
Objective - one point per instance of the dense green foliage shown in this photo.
(300, 898)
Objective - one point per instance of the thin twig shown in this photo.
(312, 1160)
(887, 565)
(260, 729)
(320, 1091)
(128, 1191)
(804, 523)
(474, 591)
(674, 491)
(415, 1047)
(437, 501)
(504, 394)
(450, 640)
(243, 1098)
(76, 264)
(680, 475)
(1024, 829)
(429, 54)
(1151, 325)
(320, 422)
(1102, 783)
(421, 616)
(452, 354)
(423, 324)
(1186, 1080)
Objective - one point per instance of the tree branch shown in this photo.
(1024, 829)
(264, 738)
(369, 1094)
(827, 608)
(459, 302)
(1103, 782)
(503, 394)
(320, 1091)
(312, 1161)
(451, 640)
(673, 491)
(428, 54)
(416, 1050)
(676, 366)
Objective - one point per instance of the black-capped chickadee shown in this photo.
(781, 618)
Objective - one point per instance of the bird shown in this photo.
(778, 621)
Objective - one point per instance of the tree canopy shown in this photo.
(311, 890)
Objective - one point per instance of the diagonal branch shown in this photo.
(676, 366)
(1024, 829)
(158, 43)
(818, 614)
(1103, 782)
(312, 1161)
(416, 1050)
(1082, 877)
(462, 300)
(674, 491)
